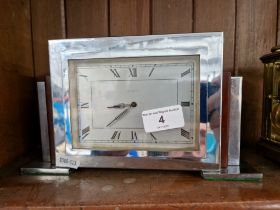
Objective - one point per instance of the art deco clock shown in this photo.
(101, 87)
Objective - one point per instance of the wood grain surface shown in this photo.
(87, 18)
(172, 16)
(278, 22)
(16, 80)
(110, 189)
(218, 16)
(48, 22)
(51, 133)
(255, 35)
(225, 118)
(129, 17)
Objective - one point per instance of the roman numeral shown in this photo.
(133, 71)
(185, 73)
(83, 137)
(153, 137)
(115, 72)
(133, 136)
(85, 130)
(185, 103)
(116, 135)
(85, 105)
(152, 70)
(185, 133)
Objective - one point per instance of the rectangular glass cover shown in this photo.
(108, 96)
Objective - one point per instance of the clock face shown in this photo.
(108, 97)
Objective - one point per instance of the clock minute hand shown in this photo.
(122, 114)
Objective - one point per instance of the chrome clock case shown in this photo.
(203, 50)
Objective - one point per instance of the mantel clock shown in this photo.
(143, 102)
(101, 87)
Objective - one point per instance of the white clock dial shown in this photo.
(110, 95)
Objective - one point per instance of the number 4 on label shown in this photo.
(161, 119)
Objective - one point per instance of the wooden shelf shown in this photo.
(141, 189)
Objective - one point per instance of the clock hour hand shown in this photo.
(122, 105)
(122, 114)
(119, 106)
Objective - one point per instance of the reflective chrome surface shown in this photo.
(209, 46)
(43, 168)
(235, 121)
(237, 173)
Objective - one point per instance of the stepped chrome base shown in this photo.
(42, 168)
(238, 173)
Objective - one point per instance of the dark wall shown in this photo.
(250, 28)
(16, 80)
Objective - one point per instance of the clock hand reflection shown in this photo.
(123, 113)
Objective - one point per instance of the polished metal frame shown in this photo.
(209, 46)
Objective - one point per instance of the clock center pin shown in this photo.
(133, 104)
